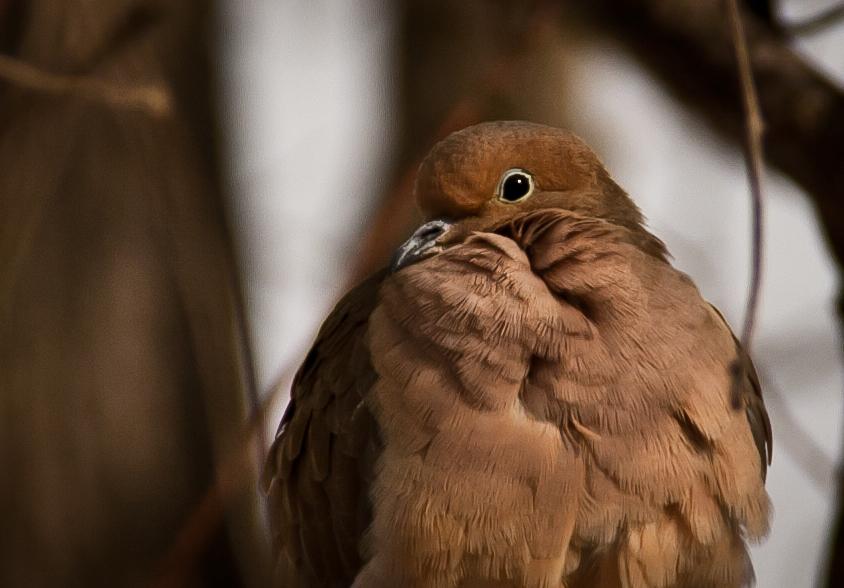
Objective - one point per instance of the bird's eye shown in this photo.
(515, 185)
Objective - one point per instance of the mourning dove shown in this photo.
(531, 396)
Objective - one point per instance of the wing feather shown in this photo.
(319, 465)
(754, 406)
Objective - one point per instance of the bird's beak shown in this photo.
(422, 243)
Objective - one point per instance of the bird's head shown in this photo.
(482, 176)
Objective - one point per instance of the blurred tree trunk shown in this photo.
(121, 364)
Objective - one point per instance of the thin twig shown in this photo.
(257, 412)
(231, 476)
(753, 153)
(151, 98)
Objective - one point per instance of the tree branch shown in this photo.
(684, 42)
(754, 128)
(151, 98)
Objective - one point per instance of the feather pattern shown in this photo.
(545, 401)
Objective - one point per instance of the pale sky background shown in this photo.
(310, 90)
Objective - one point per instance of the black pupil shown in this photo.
(515, 187)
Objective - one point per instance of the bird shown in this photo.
(529, 395)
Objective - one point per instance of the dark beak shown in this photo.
(422, 243)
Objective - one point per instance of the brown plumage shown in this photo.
(534, 398)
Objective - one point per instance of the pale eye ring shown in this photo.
(515, 185)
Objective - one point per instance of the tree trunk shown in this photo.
(123, 369)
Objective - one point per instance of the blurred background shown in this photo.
(187, 189)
